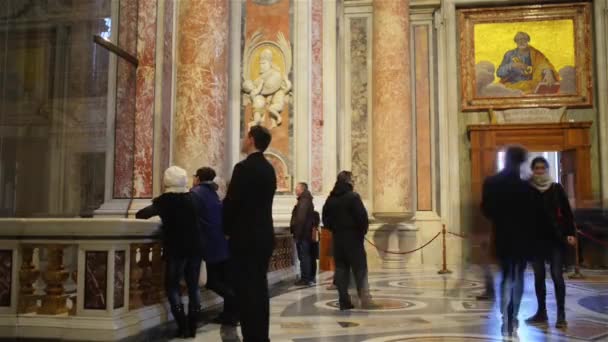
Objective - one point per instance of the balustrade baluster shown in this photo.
(135, 274)
(157, 273)
(28, 274)
(146, 280)
(54, 301)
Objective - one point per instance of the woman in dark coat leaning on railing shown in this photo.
(183, 246)
(554, 233)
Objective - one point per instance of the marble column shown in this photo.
(201, 84)
(392, 118)
(392, 132)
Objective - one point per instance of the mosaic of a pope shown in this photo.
(527, 69)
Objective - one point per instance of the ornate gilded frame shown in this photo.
(580, 13)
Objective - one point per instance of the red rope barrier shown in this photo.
(401, 253)
(592, 238)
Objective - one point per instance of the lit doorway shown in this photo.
(552, 157)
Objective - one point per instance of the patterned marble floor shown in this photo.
(420, 305)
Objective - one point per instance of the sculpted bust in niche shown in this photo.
(267, 93)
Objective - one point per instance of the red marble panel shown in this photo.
(144, 103)
(201, 85)
(127, 26)
(167, 89)
(6, 276)
(317, 96)
(95, 280)
(125, 103)
(124, 122)
(423, 118)
(143, 136)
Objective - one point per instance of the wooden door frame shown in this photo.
(487, 140)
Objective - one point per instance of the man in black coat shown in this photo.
(302, 222)
(249, 228)
(508, 202)
(345, 215)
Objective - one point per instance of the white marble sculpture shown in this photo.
(271, 90)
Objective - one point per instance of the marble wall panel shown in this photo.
(359, 99)
(167, 88)
(423, 117)
(271, 18)
(125, 102)
(202, 85)
(119, 279)
(317, 96)
(6, 276)
(95, 280)
(144, 103)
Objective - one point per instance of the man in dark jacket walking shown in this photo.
(302, 222)
(345, 215)
(216, 254)
(249, 227)
(508, 202)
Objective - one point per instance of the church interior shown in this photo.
(417, 98)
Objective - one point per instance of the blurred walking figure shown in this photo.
(183, 244)
(216, 254)
(507, 202)
(345, 215)
(555, 231)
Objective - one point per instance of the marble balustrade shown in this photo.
(60, 278)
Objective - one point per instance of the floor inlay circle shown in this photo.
(436, 284)
(435, 338)
(384, 304)
(597, 304)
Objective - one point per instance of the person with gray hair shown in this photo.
(525, 67)
(508, 202)
(183, 244)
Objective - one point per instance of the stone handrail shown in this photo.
(99, 278)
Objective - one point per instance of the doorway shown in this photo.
(567, 144)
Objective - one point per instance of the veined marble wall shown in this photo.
(317, 96)
(355, 93)
(199, 126)
(144, 99)
(125, 102)
(135, 89)
(167, 85)
(360, 88)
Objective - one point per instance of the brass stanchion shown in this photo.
(444, 270)
(577, 270)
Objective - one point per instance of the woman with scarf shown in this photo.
(555, 231)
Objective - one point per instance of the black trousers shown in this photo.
(189, 268)
(308, 260)
(251, 288)
(219, 281)
(349, 255)
(555, 256)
